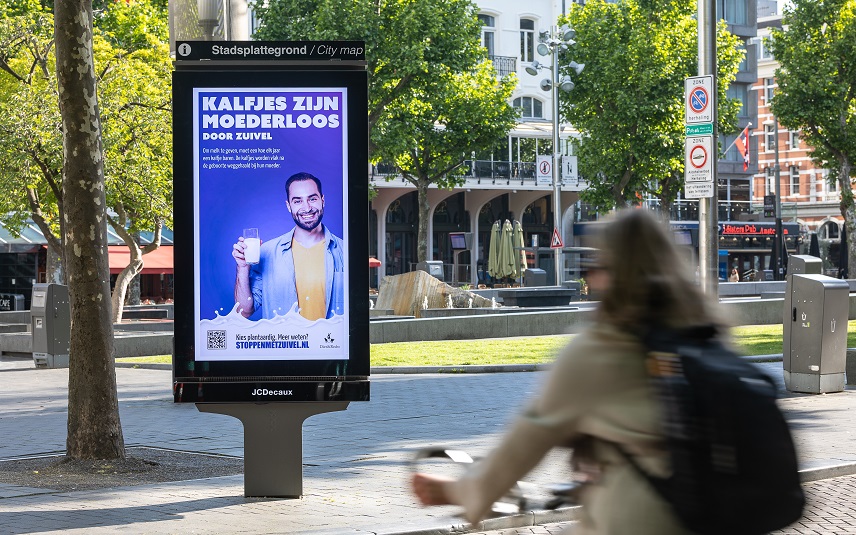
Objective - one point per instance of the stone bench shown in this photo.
(538, 297)
(125, 344)
(145, 313)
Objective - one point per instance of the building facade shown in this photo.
(503, 184)
(807, 195)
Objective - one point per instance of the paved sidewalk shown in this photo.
(829, 511)
(355, 461)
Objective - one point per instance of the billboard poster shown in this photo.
(270, 183)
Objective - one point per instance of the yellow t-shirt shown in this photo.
(310, 276)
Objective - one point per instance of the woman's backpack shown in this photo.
(734, 465)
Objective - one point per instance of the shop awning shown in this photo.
(156, 262)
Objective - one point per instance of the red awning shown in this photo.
(374, 262)
(156, 262)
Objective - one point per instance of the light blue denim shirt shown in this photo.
(273, 283)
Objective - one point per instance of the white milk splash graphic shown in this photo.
(289, 336)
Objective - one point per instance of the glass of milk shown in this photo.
(251, 245)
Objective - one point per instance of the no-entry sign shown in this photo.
(698, 167)
(699, 155)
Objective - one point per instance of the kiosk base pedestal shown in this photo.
(273, 443)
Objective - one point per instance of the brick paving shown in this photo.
(355, 461)
(830, 511)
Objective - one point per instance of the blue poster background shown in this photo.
(233, 199)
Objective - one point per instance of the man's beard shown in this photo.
(310, 226)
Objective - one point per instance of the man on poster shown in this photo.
(304, 266)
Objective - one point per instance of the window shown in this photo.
(769, 89)
(527, 40)
(744, 63)
(771, 181)
(770, 137)
(795, 180)
(488, 33)
(828, 231)
(831, 185)
(739, 92)
(764, 51)
(733, 11)
(732, 154)
(794, 138)
(530, 108)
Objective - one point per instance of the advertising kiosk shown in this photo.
(271, 294)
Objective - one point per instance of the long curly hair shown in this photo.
(650, 284)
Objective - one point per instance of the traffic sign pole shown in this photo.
(708, 247)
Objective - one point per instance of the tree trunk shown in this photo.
(94, 429)
(848, 210)
(54, 268)
(134, 267)
(422, 229)
(121, 288)
(133, 296)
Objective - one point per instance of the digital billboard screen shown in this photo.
(458, 240)
(271, 279)
(270, 222)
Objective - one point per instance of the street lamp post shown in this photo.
(551, 43)
(779, 238)
(208, 12)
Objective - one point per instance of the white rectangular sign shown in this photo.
(570, 172)
(544, 170)
(699, 99)
(698, 190)
(698, 160)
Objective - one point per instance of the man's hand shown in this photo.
(243, 293)
(430, 490)
(238, 253)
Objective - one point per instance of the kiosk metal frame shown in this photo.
(272, 394)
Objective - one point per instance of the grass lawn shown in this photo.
(752, 340)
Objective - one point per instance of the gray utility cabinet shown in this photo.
(534, 277)
(432, 267)
(50, 317)
(815, 333)
(801, 264)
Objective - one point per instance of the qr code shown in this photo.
(216, 340)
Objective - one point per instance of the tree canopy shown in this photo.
(132, 67)
(816, 92)
(628, 101)
(433, 95)
(409, 43)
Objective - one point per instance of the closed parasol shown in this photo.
(519, 253)
(506, 260)
(493, 251)
(814, 245)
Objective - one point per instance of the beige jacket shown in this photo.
(598, 391)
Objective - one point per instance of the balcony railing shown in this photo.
(478, 171)
(504, 65)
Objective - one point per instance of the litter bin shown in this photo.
(432, 267)
(534, 277)
(814, 349)
(50, 316)
(10, 302)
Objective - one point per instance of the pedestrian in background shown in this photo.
(734, 277)
(598, 394)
